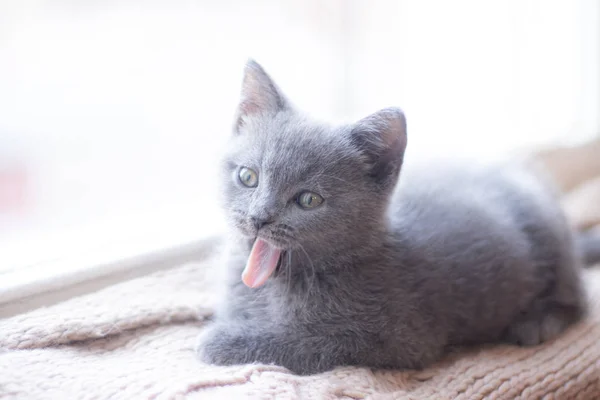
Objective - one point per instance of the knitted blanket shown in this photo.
(136, 340)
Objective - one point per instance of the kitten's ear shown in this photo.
(381, 137)
(260, 95)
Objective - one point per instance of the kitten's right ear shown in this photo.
(381, 138)
(260, 95)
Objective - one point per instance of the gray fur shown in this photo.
(387, 272)
(589, 244)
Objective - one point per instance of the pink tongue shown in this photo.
(261, 264)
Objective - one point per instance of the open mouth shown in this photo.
(263, 261)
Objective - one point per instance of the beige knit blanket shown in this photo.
(135, 341)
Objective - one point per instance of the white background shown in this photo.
(116, 111)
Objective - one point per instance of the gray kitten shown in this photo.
(342, 263)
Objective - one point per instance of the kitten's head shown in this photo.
(296, 183)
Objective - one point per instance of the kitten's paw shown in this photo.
(533, 328)
(202, 343)
(524, 332)
(219, 347)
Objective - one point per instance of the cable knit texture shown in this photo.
(136, 340)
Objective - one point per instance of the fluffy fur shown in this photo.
(387, 272)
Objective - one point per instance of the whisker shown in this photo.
(289, 274)
(313, 276)
(286, 227)
(281, 235)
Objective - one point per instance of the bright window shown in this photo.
(112, 114)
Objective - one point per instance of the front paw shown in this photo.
(234, 345)
(218, 346)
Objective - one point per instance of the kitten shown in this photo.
(336, 261)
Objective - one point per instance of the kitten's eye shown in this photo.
(309, 200)
(248, 177)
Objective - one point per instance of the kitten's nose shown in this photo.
(259, 222)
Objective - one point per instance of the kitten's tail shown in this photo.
(589, 246)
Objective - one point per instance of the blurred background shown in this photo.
(113, 113)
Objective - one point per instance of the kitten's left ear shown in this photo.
(260, 95)
(381, 137)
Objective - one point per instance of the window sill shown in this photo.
(47, 283)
